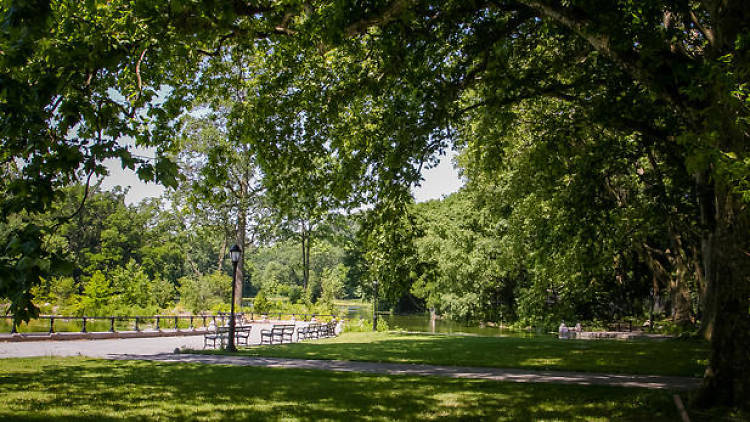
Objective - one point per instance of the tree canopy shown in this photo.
(353, 98)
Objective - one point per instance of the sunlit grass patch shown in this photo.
(671, 357)
(541, 362)
(84, 389)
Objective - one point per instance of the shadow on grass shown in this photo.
(53, 389)
(671, 357)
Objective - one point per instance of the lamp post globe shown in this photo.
(235, 252)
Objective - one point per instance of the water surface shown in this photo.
(423, 323)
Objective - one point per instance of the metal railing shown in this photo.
(139, 323)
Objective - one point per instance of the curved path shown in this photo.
(161, 348)
(494, 374)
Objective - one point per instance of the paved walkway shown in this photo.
(494, 374)
(99, 348)
(103, 348)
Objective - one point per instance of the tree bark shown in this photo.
(680, 300)
(303, 236)
(241, 234)
(707, 204)
(307, 256)
(222, 253)
(727, 303)
(679, 282)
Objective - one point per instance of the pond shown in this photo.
(422, 323)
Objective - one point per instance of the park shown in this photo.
(375, 210)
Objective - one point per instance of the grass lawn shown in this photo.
(670, 357)
(52, 389)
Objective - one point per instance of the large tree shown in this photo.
(586, 217)
(390, 80)
(222, 178)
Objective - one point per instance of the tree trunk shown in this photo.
(679, 284)
(241, 233)
(222, 253)
(303, 236)
(727, 303)
(679, 272)
(680, 300)
(307, 257)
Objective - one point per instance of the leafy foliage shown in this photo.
(261, 305)
(347, 101)
(205, 291)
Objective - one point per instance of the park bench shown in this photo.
(323, 331)
(316, 330)
(278, 334)
(303, 333)
(242, 333)
(221, 334)
(309, 331)
(329, 329)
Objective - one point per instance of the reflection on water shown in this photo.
(423, 323)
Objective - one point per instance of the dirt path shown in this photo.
(494, 374)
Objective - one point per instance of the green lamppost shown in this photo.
(234, 253)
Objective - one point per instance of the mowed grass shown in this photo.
(56, 389)
(665, 357)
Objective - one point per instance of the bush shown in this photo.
(364, 325)
(97, 295)
(63, 293)
(162, 292)
(204, 292)
(294, 293)
(261, 305)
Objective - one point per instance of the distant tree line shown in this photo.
(152, 257)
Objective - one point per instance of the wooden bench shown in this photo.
(310, 331)
(329, 329)
(221, 334)
(242, 333)
(316, 330)
(303, 333)
(278, 334)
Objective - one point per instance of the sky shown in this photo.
(438, 181)
(118, 176)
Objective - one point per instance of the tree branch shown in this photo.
(218, 48)
(63, 219)
(629, 61)
(138, 69)
(387, 15)
(552, 91)
(707, 32)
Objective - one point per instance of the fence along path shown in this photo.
(60, 327)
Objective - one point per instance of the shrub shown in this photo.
(365, 325)
(294, 293)
(204, 292)
(97, 294)
(261, 305)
